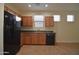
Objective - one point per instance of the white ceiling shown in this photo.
(23, 7)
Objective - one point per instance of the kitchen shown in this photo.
(35, 25)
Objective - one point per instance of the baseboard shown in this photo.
(66, 42)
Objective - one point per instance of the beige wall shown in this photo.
(1, 27)
(65, 32)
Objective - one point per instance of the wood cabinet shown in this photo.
(49, 22)
(33, 38)
(38, 38)
(26, 38)
(27, 21)
(22, 38)
(41, 38)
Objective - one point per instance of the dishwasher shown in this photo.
(50, 38)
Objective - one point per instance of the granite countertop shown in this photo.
(34, 30)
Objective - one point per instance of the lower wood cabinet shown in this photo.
(33, 38)
(41, 38)
(25, 38)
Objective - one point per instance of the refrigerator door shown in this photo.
(11, 35)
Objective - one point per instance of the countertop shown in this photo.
(24, 29)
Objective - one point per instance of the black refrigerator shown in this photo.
(11, 34)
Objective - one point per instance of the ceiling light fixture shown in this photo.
(46, 5)
(29, 5)
(38, 5)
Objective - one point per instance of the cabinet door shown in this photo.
(30, 21)
(41, 38)
(49, 21)
(26, 38)
(34, 38)
(22, 38)
(47, 24)
(27, 21)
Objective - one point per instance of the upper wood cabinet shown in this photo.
(27, 21)
(49, 22)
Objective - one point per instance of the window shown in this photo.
(39, 24)
(56, 18)
(18, 18)
(70, 18)
(38, 21)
